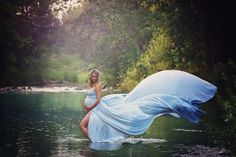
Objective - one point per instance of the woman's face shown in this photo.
(94, 78)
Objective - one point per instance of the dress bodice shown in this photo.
(91, 93)
(90, 97)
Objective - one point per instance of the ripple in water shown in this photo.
(109, 145)
(70, 139)
(188, 130)
(133, 140)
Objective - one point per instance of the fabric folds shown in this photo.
(172, 92)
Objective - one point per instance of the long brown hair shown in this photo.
(97, 73)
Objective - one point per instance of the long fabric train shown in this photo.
(171, 92)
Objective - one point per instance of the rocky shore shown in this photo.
(49, 87)
(40, 89)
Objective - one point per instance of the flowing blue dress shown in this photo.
(171, 92)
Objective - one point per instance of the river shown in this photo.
(47, 124)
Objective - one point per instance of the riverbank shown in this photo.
(49, 88)
(41, 89)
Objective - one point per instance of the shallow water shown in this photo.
(47, 124)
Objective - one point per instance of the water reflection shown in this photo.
(118, 144)
(74, 146)
(105, 145)
(70, 146)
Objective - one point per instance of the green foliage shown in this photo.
(223, 135)
(62, 67)
(178, 44)
(108, 34)
(169, 48)
(155, 59)
(165, 51)
(224, 76)
(83, 78)
(68, 76)
(56, 67)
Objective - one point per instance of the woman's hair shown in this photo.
(97, 73)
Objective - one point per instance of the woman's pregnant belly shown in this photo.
(89, 101)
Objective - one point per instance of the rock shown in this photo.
(29, 88)
(78, 88)
(203, 151)
(105, 86)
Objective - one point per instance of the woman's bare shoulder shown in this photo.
(98, 86)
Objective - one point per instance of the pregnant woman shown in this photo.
(116, 116)
(92, 99)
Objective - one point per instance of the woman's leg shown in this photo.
(84, 125)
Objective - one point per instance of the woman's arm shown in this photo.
(98, 90)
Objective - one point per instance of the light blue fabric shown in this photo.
(90, 97)
(171, 92)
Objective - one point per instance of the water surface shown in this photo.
(47, 124)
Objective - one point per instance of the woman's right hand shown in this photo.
(84, 105)
(86, 108)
